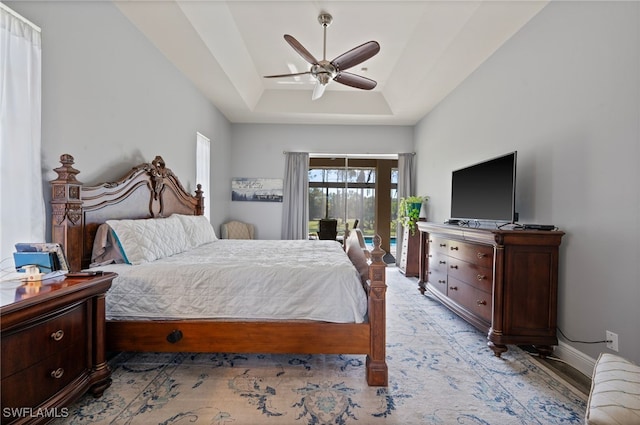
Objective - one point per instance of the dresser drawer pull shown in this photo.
(481, 302)
(442, 262)
(443, 245)
(481, 255)
(454, 267)
(442, 281)
(454, 248)
(453, 288)
(430, 240)
(57, 335)
(57, 374)
(481, 277)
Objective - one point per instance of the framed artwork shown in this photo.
(256, 189)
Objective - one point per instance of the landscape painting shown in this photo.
(256, 189)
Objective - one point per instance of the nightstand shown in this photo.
(53, 346)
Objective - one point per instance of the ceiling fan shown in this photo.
(324, 71)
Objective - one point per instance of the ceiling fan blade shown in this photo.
(356, 55)
(287, 75)
(318, 90)
(300, 49)
(356, 81)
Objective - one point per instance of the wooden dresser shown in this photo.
(504, 282)
(52, 347)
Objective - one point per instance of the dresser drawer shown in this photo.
(31, 343)
(473, 299)
(438, 280)
(438, 245)
(477, 276)
(34, 385)
(438, 262)
(481, 255)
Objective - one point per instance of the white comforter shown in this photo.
(240, 279)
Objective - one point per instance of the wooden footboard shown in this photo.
(151, 190)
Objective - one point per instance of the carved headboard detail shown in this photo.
(149, 190)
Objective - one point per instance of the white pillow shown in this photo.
(197, 229)
(150, 239)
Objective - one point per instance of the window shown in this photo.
(203, 177)
(345, 189)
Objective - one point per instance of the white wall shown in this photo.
(112, 100)
(565, 93)
(257, 151)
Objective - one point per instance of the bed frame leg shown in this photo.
(377, 371)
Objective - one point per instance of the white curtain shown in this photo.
(22, 212)
(406, 187)
(295, 207)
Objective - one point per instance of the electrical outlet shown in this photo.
(612, 341)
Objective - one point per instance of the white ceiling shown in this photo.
(427, 48)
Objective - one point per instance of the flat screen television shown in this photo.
(485, 191)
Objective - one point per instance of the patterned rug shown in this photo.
(440, 372)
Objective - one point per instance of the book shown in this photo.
(58, 259)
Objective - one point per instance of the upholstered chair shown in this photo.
(237, 230)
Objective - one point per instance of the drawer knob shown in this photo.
(454, 248)
(481, 302)
(481, 277)
(442, 262)
(453, 288)
(57, 335)
(481, 255)
(442, 281)
(430, 240)
(454, 267)
(443, 245)
(57, 374)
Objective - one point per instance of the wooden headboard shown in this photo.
(149, 190)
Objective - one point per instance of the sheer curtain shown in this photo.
(295, 207)
(22, 213)
(406, 187)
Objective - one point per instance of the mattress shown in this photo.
(242, 279)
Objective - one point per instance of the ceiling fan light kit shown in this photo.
(325, 71)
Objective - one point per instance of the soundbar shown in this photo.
(538, 226)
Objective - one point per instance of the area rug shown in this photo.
(440, 372)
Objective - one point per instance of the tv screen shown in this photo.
(485, 191)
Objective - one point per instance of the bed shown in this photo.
(152, 191)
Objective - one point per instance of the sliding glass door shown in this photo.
(348, 189)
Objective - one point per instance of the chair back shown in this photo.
(237, 230)
(328, 229)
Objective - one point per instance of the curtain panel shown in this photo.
(295, 203)
(22, 212)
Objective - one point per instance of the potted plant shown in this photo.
(409, 211)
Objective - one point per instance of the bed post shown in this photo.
(377, 372)
(66, 212)
(200, 200)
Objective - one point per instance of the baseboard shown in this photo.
(576, 359)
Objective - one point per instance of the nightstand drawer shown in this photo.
(33, 385)
(32, 343)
